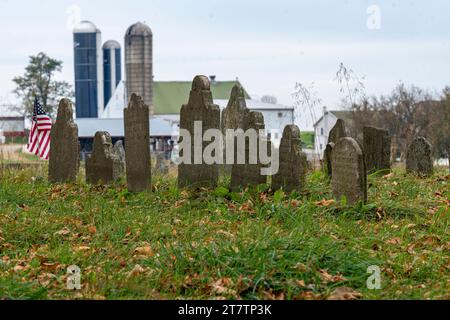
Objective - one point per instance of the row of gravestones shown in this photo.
(345, 160)
(348, 162)
(107, 163)
(292, 161)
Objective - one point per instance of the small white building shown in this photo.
(276, 116)
(324, 125)
(12, 123)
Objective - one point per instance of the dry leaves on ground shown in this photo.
(345, 293)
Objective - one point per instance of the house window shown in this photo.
(280, 114)
(321, 146)
(321, 131)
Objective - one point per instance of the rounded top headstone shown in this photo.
(348, 143)
(65, 110)
(291, 132)
(201, 83)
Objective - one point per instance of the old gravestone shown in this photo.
(64, 148)
(377, 149)
(337, 132)
(119, 153)
(200, 109)
(103, 166)
(293, 163)
(334, 136)
(233, 117)
(234, 114)
(349, 178)
(418, 157)
(249, 174)
(137, 144)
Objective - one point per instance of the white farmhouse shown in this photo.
(324, 125)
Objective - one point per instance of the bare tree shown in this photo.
(306, 100)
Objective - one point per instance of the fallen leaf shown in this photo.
(395, 240)
(300, 283)
(144, 252)
(62, 232)
(344, 293)
(325, 203)
(388, 176)
(331, 278)
(220, 287)
(92, 229)
(21, 268)
(51, 267)
(82, 248)
(226, 233)
(137, 270)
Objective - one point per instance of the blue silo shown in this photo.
(112, 68)
(88, 70)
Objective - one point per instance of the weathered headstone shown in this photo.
(377, 149)
(293, 163)
(337, 132)
(137, 144)
(334, 136)
(119, 153)
(418, 157)
(64, 148)
(234, 114)
(200, 109)
(103, 166)
(233, 118)
(249, 174)
(349, 178)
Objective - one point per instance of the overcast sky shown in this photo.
(268, 45)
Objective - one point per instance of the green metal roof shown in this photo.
(169, 96)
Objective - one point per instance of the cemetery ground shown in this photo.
(214, 244)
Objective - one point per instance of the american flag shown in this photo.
(39, 140)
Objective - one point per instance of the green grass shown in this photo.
(307, 139)
(217, 244)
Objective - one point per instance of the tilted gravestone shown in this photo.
(64, 148)
(249, 173)
(293, 162)
(137, 144)
(349, 178)
(377, 149)
(334, 136)
(119, 153)
(418, 157)
(201, 109)
(339, 131)
(103, 166)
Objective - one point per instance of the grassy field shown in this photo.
(307, 138)
(212, 244)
